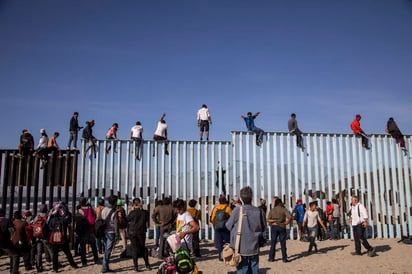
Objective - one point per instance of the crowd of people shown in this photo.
(102, 227)
(47, 145)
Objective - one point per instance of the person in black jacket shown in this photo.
(393, 129)
(138, 219)
(6, 245)
(88, 136)
(74, 129)
(26, 145)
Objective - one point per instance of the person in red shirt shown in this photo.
(358, 131)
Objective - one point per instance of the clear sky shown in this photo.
(124, 61)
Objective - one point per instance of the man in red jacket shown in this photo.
(355, 126)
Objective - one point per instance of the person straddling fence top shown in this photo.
(88, 136)
(203, 120)
(279, 217)
(26, 146)
(253, 226)
(165, 217)
(52, 145)
(112, 135)
(359, 220)
(393, 129)
(161, 133)
(58, 220)
(220, 215)
(41, 150)
(111, 231)
(358, 131)
(185, 225)
(73, 130)
(293, 129)
(136, 134)
(250, 125)
(312, 218)
(138, 219)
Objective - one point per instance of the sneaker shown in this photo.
(286, 261)
(356, 253)
(371, 252)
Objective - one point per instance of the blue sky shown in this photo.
(123, 61)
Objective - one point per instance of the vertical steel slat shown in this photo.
(349, 176)
(395, 189)
(184, 169)
(375, 187)
(370, 192)
(268, 169)
(322, 171)
(134, 170)
(119, 168)
(401, 189)
(219, 166)
(163, 171)
(227, 175)
(296, 174)
(234, 164)
(141, 190)
(355, 147)
(177, 165)
(342, 186)
(170, 169)
(275, 168)
(382, 188)
(111, 178)
(191, 170)
(302, 175)
(241, 160)
(156, 170)
(289, 172)
(199, 171)
(213, 182)
(361, 172)
(206, 192)
(408, 190)
(328, 168)
(127, 175)
(103, 183)
(83, 167)
(316, 165)
(335, 165)
(89, 177)
(282, 167)
(309, 165)
(247, 159)
(255, 190)
(97, 176)
(388, 188)
(148, 172)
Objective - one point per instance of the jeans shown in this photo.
(72, 137)
(248, 265)
(92, 241)
(138, 147)
(365, 141)
(157, 236)
(332, 229)
(222, 236)
(108, 239)
(359, 236)
(259, 134)
(42, 245)
(299, 139)
(275, 232)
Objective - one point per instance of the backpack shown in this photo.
(220, 218)
(89, 217)
(39, 227)
(57, 235)
(295, 214)
(168, 266)
(183, 261)
(122, 219)
(100, 224)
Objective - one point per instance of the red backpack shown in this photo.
(89, 215)
(38, 229)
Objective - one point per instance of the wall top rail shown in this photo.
(316, 133)
(125, 141)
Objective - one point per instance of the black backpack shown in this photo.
(220, 218)
(100, 224)
(295, 214)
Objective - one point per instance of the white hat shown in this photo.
(42, 131)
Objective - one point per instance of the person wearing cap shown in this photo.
(250, 125)
(112, 135)
(52, 145)
(203, 120)
(358, 131)
(299, 213)
(136, 134)
(26, 145)
(42, 244)
(222, 235)
(293, 129)
(88, 136)
(73, 130)
(121, 213)
(41, 150)
(161, 134)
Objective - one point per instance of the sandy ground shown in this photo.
(333, 257)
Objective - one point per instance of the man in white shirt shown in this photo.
(203, 119)
(185, 224)
(136, 135)
(161, 134)
(359, 220)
